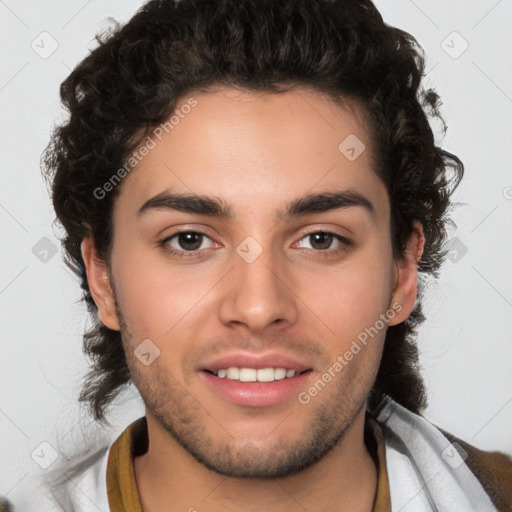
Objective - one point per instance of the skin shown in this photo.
(256, 152)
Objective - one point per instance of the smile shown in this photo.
(253, 374)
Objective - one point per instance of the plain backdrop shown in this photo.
(466, 349)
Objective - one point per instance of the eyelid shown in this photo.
(330, 231)
(174, 234)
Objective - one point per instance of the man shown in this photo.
(249, 190)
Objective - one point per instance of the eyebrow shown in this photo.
(218, 208)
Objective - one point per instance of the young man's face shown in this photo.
(259, 292)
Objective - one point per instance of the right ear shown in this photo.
(99, 284)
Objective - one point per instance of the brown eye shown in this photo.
(184, 243)
(189, 241)
(321, 241)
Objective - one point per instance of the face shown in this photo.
(259, 289)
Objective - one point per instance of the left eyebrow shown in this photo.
(215, 207)
(325, 202)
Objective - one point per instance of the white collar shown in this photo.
(425, 471)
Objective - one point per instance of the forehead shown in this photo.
(257, 151)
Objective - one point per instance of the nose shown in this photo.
(259, 293)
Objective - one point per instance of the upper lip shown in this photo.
(257, 361)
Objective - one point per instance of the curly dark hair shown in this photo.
(133, 80)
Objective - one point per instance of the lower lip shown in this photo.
(256, 394)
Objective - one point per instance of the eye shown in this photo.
(190, 243)
(322, 241)
(187, 243)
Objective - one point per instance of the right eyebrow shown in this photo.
(188, 203)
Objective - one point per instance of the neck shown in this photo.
(345, 479)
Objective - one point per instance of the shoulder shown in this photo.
(493, 469)
(5, 505)
(452, 473)
(80, 486)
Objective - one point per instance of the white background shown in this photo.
(466, 343)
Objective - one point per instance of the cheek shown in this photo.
(350, 297)
(156, 298)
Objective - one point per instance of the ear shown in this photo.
(99, 284)
(405, 287)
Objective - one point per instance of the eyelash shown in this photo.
(345, 246)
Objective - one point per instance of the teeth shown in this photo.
(280, 373)
(233, 373)
(248, 375)
(266, 375)
(253, 375)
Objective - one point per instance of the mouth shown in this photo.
(256, 380)
(268, 374)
